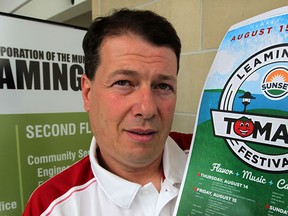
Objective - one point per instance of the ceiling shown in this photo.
(8, 6)
(54, 10)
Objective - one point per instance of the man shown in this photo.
(129, 91)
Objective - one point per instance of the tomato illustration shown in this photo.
(243, 127)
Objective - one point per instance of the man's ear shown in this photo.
(86, 88)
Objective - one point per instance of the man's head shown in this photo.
(130, 88)
(149, 26)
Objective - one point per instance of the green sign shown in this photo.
(44, 128)
(239, 161)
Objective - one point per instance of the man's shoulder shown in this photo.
(183, 140)
(77, 174)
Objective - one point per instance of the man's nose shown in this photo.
(145, 105)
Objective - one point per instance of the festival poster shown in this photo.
(44, 128)
(238, 164)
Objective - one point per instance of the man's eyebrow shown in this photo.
(161, 77)
(123, 72)
(167, 77)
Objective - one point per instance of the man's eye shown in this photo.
(122, 83)
(164, 86)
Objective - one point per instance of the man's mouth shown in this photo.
(141, 135)
(143, 132)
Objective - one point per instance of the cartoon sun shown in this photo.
(278, 75)
(274, 84)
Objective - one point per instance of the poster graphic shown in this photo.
(44, 128)
(239, 160)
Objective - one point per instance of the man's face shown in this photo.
(131, 100)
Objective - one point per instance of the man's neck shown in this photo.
(152, 172)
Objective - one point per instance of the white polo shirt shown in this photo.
(104, 193)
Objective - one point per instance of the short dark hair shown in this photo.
(150, 26)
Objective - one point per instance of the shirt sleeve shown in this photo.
(182, 139)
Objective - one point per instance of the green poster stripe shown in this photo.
(19, 167)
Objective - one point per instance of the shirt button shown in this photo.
(145, 192)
